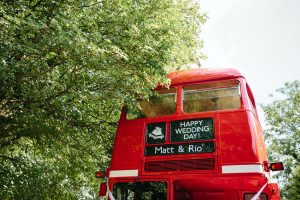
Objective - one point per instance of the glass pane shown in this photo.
(140, 191)
(163, 103)
(198, 99)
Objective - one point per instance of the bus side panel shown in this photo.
(258, 137)
(128, 146)
(236, 142)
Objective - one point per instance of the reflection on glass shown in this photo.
(162, 103)
(199, 99)
(140, 191)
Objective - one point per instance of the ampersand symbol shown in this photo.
(181, 149)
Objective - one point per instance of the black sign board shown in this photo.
(189, 148)
(192, 129)
(156, 133)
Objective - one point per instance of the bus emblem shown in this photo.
(156, 133)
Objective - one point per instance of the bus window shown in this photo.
(140, 191)
(163, 103)
(196, 98)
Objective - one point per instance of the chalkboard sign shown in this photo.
(156, 133)
(193, 129)
(189, 148)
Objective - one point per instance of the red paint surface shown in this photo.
(238, 138)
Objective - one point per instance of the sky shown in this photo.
(260, 38)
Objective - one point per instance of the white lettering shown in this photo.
(182, 124)
(194, 148)
(185, 136)
(170, 149)
(188, 130)
(190, 123)
(158, 149)
(178, 131)
(161, 150)
(194, 129)
(206, 128)
(190, 136)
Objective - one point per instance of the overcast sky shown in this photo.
(260, 38)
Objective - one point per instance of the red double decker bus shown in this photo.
(198, 139)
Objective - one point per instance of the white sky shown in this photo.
(260, 38)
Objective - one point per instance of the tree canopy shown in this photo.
(66, 68)
(283, 134)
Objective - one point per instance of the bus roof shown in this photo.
(200, 75)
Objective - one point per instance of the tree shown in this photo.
(293, 187)
(283, 133)
(66, 68)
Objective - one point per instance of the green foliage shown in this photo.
(283, 133)
(66, 68)
(293, 188)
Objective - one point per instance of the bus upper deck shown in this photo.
(198, 139)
